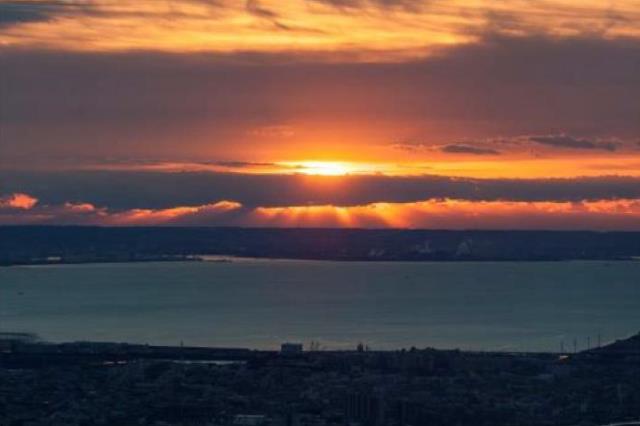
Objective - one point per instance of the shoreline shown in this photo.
(240, 259)
(47, 245)
(30, 344)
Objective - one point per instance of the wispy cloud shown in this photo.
(16, 12)
(408, 5)
(566, 141)
(254, 7)
(479, 148)
(468, 149)
(416, 27)
(523, 145)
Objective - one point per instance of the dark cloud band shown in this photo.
(164, 190)
(468, 149)
(564, 141)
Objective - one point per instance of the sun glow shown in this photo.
(323, 168)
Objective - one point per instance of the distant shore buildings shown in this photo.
(291, 348)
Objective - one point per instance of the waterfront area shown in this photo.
(496, 343)
(33, 245)
(117, 384)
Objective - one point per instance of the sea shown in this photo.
(259, 304)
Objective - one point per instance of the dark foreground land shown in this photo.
(111, 384)
(51, 244)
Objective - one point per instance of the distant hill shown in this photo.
(628, 348)
(41, 244)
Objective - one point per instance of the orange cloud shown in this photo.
(301, 25)
(18, 201)
(460, 214)
(622, 214)
(80, 207)
(183, 214)
(413, 160)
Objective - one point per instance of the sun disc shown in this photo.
(323, 168)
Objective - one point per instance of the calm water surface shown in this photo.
(259, 304)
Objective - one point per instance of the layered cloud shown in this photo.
(223, 111)
(80, 213)
(398, 28)
(460, 214)
(14, 13)
(123, 190)
(622, 214)
(297, 200)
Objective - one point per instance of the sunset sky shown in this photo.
(459, 114)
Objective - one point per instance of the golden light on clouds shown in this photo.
(506, 167)
(621, 214)
(458, 214)
(323, 168)
(349, 113)
(333, 168)
(368, 26)
(18, 201)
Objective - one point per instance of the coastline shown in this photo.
(240, 259)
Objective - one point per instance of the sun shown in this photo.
(322, 168)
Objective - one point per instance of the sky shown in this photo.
(458, 114)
